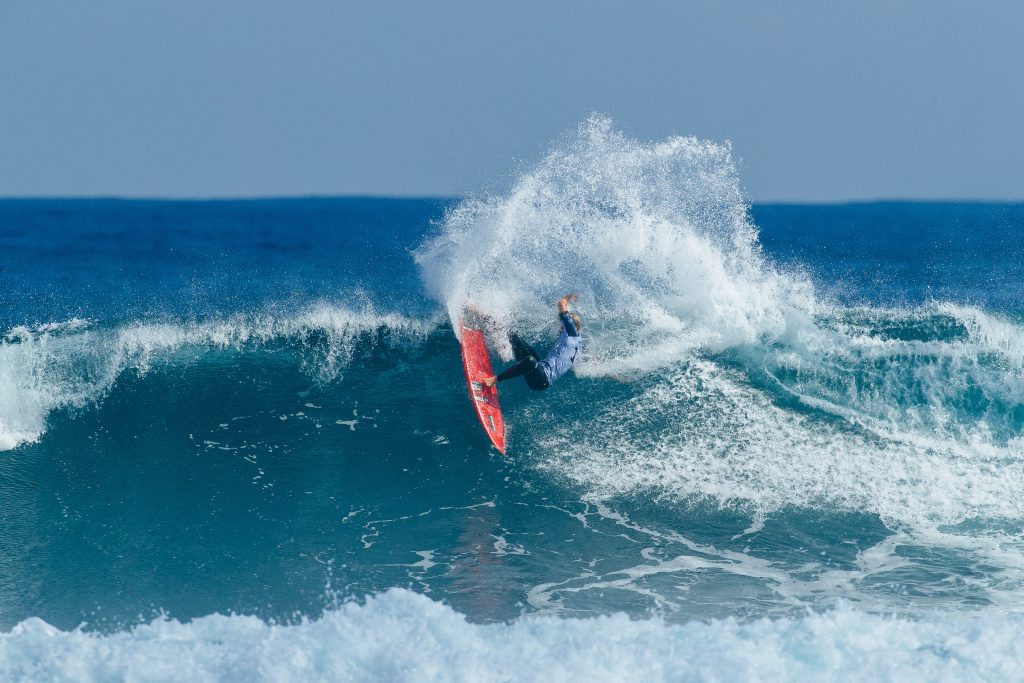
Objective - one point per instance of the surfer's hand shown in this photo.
(563, 303)
(489, 381)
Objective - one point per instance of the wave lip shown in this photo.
(74, 364)
(403, 636)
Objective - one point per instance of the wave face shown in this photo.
(786, 422)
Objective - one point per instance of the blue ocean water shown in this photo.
(236, 441)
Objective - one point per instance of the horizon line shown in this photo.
(439, 197)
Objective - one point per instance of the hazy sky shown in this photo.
(821, 100)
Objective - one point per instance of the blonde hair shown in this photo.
(577, 319)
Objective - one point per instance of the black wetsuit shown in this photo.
(528, 365)
(540, 373)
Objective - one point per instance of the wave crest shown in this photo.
(74, 364)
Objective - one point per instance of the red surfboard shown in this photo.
(477, 362)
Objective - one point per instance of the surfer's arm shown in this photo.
(563, 312)
(568, 325)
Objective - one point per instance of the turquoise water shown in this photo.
(236, 439)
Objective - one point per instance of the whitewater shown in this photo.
(235, 442)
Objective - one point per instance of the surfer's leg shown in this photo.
(525, 355)
(520, 368)
(520, 349)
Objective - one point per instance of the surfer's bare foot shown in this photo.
(489, 381)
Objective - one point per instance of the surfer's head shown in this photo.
(577, 319)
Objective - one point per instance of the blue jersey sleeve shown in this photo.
(568, 324)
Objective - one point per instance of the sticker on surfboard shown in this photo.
(476, 360)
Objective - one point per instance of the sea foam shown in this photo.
(403, 636)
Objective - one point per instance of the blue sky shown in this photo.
(822, 101)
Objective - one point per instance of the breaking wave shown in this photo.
(747, 387)
(73, 365)
(402, 636)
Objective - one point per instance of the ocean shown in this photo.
(236, 442)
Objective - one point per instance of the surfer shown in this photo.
(541, 374)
